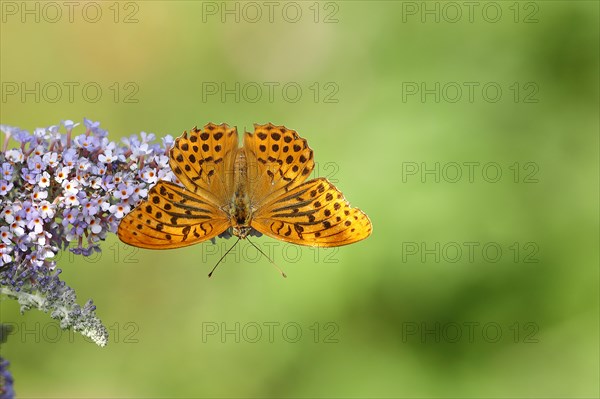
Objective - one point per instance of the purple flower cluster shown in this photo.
(6, 378)
(59, 190)
(6, 381)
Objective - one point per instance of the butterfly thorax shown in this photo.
(239, 209)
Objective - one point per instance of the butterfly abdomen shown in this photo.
(239, 210)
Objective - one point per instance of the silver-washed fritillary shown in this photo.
(260, 185)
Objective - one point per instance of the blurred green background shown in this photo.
(402, 314)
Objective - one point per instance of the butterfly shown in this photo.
(261, 185)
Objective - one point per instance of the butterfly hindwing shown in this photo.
(278, 160)
(203, 161)
(172, 217)
(314, 213)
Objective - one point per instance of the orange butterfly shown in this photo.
(258, 186)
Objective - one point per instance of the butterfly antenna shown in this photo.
(222, 257)
(265, 255)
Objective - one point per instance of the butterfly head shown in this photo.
(241, 231)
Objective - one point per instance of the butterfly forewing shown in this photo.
(314, 213)
(172, 217)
